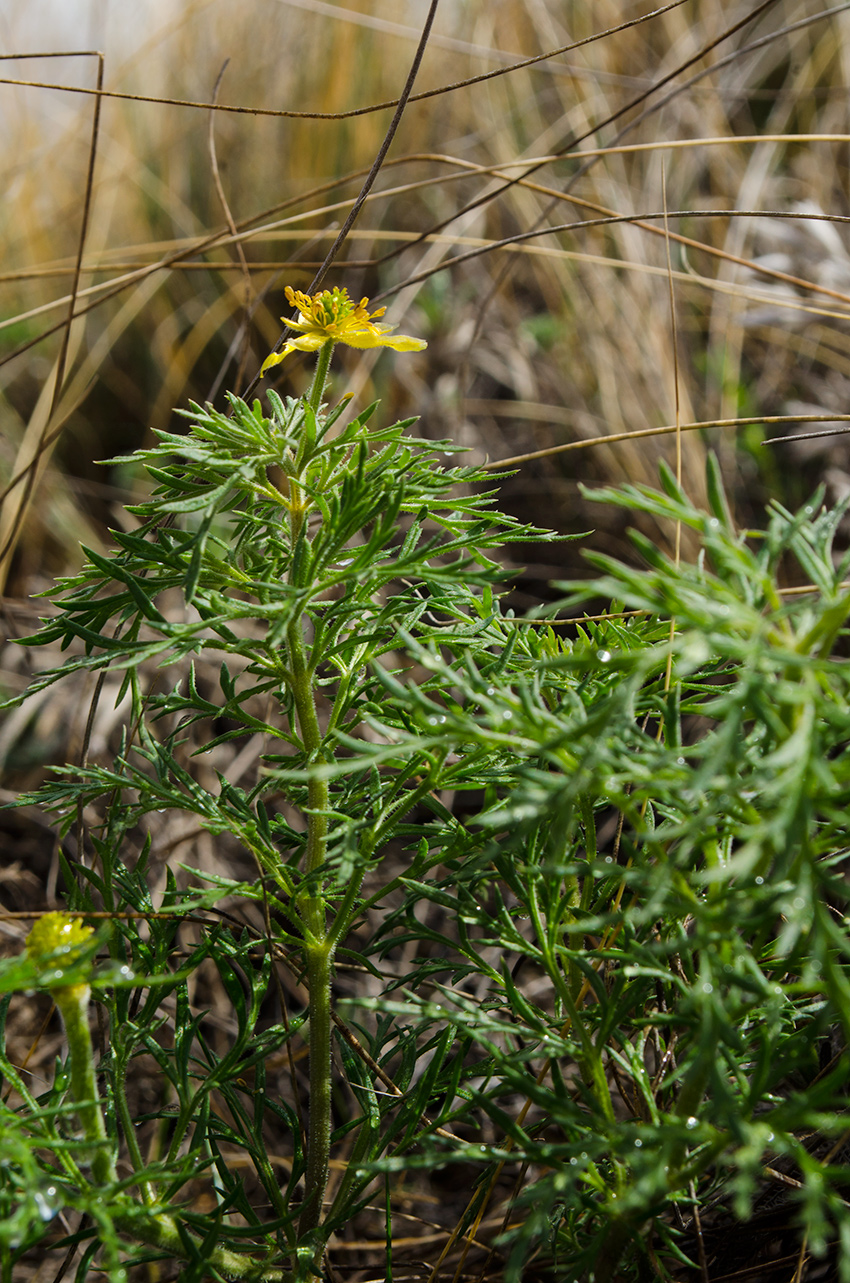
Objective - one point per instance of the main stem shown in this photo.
(320, 377)
(622, 1231)
(318, 947)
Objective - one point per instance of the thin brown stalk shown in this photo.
(15, 523)
(237, 243)
(355, 111)
(370, 178)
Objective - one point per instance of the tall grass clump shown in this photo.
(636, 1003)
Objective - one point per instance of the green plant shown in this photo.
(648, 824)
(302, 558)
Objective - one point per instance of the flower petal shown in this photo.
(274, 359)
(399, 342)
(303, 343)
(404, 343)
(307, 342)
(303, 325)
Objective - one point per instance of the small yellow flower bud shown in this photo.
(53, 932)
(57, 933)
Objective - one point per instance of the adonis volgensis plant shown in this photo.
(586, 882)
(340, 544)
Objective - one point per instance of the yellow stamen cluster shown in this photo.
(330, 310)
(332, 316)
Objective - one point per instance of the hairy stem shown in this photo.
(73, 1004)
(123, 1111)
(319, 970)
(320, 378)
(618, 1235)
(317, 947)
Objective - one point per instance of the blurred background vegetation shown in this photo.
(563, 337)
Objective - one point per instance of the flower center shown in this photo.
(332, 311)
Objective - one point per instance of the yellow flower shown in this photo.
(333, 316)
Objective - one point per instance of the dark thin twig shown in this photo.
(354, 111)
(576, 141)
(703, 1261)
(231, 223)
(808, 436)
(370, 179)
(605, 222)
(586, 224)
(72, 1250)
(81, 244)
(55, 53)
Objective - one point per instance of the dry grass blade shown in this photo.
(42, 430)
(240, 252)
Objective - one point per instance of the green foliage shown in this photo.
(649, 822)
